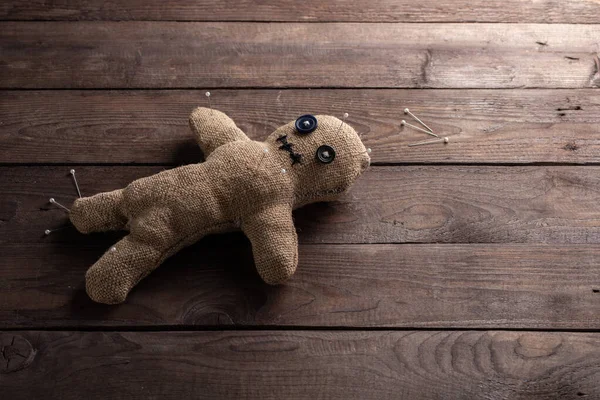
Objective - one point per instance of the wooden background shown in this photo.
(462, 271)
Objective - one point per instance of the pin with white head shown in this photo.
(445, 140)
(404, 123)
(72, 172)
(265, 151)
(49, 231)
(407, 111)
(207, 94)
(56, 203)
(342, 122)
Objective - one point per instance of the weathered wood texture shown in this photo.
(424, 204)
(301, 365)
(150, 126)
(209, 55)
(547, 11)
(214, 283)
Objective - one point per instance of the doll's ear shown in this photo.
(212, 128)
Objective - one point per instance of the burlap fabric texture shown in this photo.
(243, 184)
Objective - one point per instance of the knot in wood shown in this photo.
(16, 353)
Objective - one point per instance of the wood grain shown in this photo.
(411, 204)
(214, 283)
(300, 365)
(545, 11)
(150, 126)
(211, 55)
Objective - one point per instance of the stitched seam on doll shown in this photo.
(287, 146)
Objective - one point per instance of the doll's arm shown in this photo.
(212, 128)
(274, 243)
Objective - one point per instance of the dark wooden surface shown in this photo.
(451, 286)
(390, 204)
(403, 283)
(304, 364)
(242, 54)
(150, 126)
(516, 11)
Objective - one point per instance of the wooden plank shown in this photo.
(150, 126)
(418, 204)
(299, 365)
(210, 55)
(545, 11)
(214, 283)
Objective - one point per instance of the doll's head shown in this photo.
(325, 156)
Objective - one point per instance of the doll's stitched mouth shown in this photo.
(287, 146)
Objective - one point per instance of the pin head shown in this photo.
(113, 249)
(369, 150)
(283, 171)
(47, 232)
(72, 172)
(403, 122)
(406, 111)
(345, 115)
(207, 94)
(52, 200)
(446, 140)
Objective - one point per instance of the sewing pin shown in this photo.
(58, 204)
(207, 94)
(75, 180)
(440, 140)
(49, 231)
(407, 111)
(265, 151)
(404, 123)
(341, 123)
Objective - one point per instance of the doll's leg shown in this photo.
(102, 212)
(111, 278)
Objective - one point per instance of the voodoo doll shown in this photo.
(242, 184)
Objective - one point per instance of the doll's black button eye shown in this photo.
(325, 154)
(306, 124)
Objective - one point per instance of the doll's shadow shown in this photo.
(213, 282)
(188, 152)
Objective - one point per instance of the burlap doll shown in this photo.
(243, 184)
